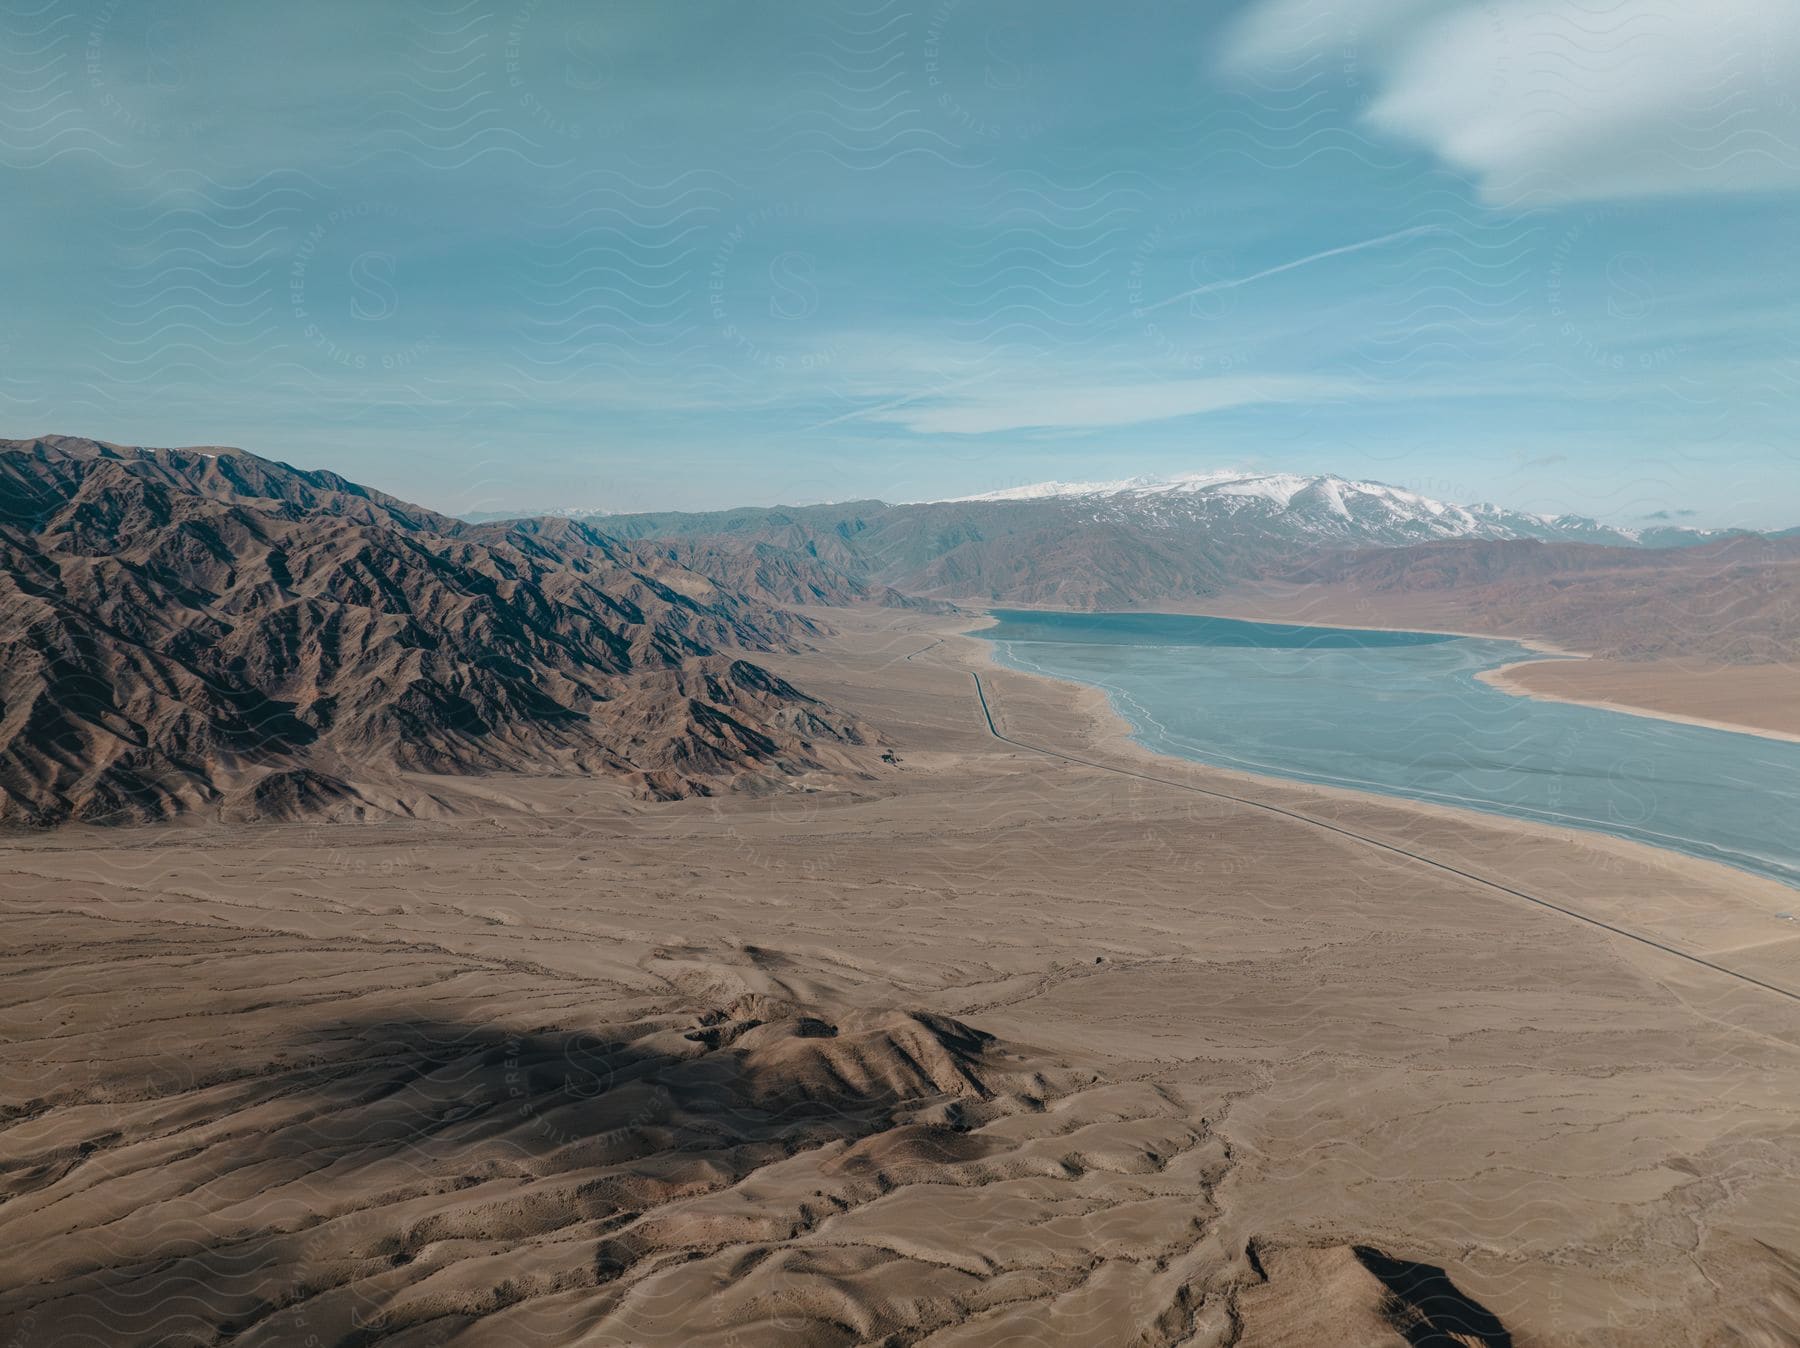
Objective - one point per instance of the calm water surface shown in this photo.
(1402, 713)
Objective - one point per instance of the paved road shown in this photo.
(987, 712)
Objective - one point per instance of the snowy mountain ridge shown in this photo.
(1321, 505)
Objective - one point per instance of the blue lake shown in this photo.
(1402, 713)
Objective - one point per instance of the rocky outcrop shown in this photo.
(185, 629)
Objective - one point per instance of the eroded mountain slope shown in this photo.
(189, 629)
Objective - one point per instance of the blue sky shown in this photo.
(493, 254)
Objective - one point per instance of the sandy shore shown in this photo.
(989, 1048)
(1751, 699)
(1103, 732)
(1759, 700)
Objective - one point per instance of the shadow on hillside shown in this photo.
(1432, 1311)
(304, 1199)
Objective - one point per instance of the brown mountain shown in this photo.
(1123, 544)
(192, 629)
(1347, 554)
(767, 571)
(1734, 601)
(1053, 553)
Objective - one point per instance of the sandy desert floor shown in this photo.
(1002, 1049)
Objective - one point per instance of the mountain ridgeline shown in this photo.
(1123, 544)
(1309, 549)
(204, 630)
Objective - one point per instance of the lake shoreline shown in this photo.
(1114, 729)
(1507, 681)
(986, 608)
(1500, 678)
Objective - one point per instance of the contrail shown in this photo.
(1235, 282)
(909, 398)
(1230, 284)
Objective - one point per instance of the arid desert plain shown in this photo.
(994, 1048)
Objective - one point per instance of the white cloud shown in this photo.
(1559, 100)
(982, 411)
(1286, 34)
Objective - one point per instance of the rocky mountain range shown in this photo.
(1329, 510)
(207, 630)
(1118, 544)
(780, 575)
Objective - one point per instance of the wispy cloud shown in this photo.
(1558, 100)
(1019, 407)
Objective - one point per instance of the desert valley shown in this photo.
(687, 930)
(1004, 674)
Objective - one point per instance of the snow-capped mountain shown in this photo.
(1125, 543)
(1322, 508)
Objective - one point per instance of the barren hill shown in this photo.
(193, 629)
(1734, 601)
(762, 570)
